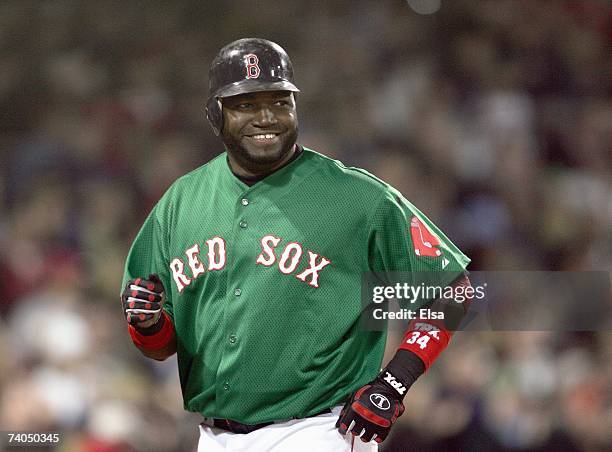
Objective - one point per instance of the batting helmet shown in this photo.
(246, 66)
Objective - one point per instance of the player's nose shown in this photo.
(264, 116)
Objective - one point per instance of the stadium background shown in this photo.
(493, 117)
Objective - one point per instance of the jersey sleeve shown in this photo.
(402, 239)
(149, 254)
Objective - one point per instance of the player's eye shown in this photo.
(244, 106)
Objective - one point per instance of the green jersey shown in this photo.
(263, 282)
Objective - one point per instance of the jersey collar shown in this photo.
(279, 177)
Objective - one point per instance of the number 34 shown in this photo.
(419, 338)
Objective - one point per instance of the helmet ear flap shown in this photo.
(214, 114)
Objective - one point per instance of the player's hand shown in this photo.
(142, 301)
(371, 412)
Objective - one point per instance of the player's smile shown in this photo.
(264, 138)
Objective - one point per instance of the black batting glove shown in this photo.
(375, 407)
(371, 412)
(142, 301)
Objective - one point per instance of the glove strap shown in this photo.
(157, 340)
(401, 373)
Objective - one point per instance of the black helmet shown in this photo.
(246, 66)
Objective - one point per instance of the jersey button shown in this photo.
(245, 202)
(242, 224)
(237, 291)
(226, 386)
(232, 338)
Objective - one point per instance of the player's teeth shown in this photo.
(268, 136)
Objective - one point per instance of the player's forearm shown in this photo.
(425, 340)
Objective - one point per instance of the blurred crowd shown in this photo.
(494, 118)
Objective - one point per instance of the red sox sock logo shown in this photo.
(424, 242)
(290, 259)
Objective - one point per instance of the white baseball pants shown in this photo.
(316, 433)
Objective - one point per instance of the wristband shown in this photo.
(157, 340)
(426, 338)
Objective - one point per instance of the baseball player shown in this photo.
(249, 268)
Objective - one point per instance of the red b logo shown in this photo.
(252, 69)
